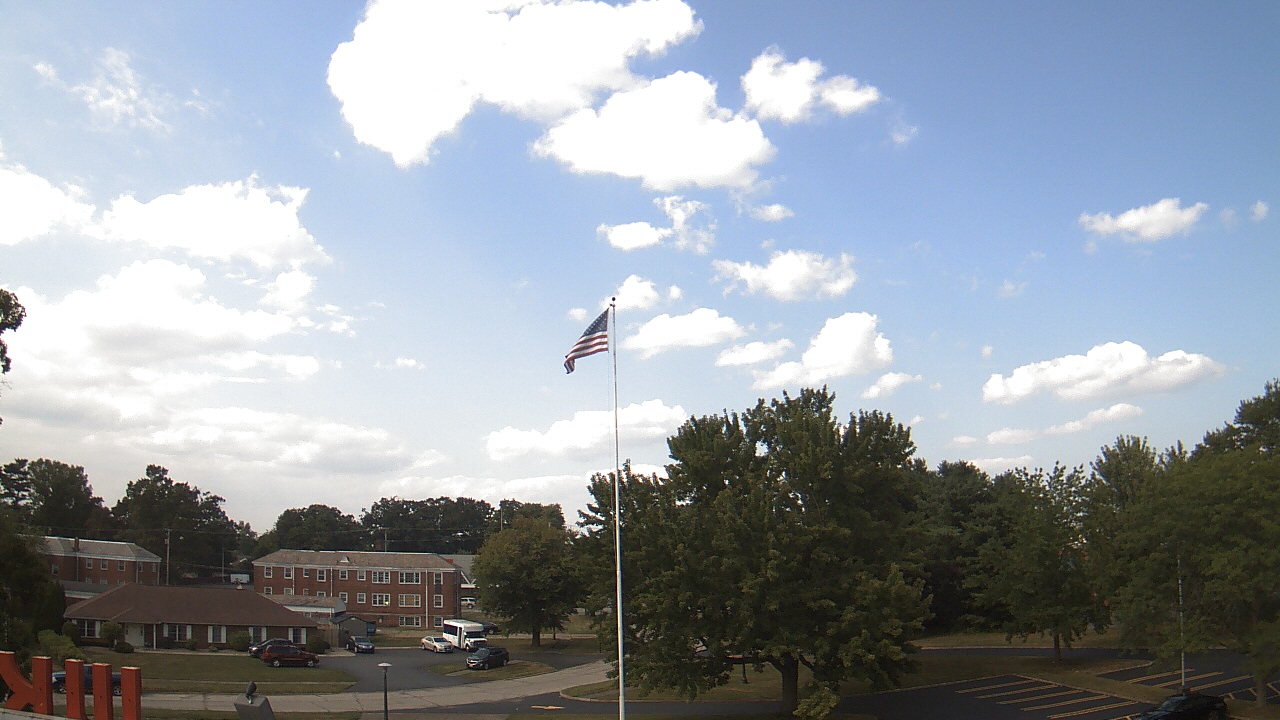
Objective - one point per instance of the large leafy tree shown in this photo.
(11, 316)
(439, 525)
(781, 537)
(30, 599)
(60, 500)
(525, 573)
(954, 498)
(315, 527)
(179, 522)
(1035, 564)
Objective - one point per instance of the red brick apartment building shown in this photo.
(410, 590)
(88, 567)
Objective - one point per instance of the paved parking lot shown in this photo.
(1212, 673)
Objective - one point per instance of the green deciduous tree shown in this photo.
(526, 574)
(315, 527)
(781, 537)
(11, 316)
(954, 498)
(30, 599)
(1035, 564)
(438, 525)
(177, 521)
(62, 502)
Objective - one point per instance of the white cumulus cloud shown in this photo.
(847, 345)
(587, 430)
(792, 275)
(32, 207)
(790, 91)
(753, 353)
(888, 384)
(703, 327)
(1105, 369)
(1148, 223)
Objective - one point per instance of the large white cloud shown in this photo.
(1148, 223)
(587, 430)
(414, 70)
(792, 275)
(703, 327)
(779, 90)
(847, 345)
(888, 384)
(31, 206)
(230, 221)
(1107, 369)
(669, 134)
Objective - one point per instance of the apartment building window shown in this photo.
(288, 591)
(380, 577)
(410, 621)
(343, 597)
(410, 578)
(266, 590)
(437, 601)
(360, 575)
(306, 591)
(322, 576)
(288, 573)
(266, 571)
(54, 569)
(410, 601)
(381, 599)
(321, 593)
(437, 578)
(88, 563)
(102, 564)
(359, 598)
(120, 565)
(306, 572)
(437, 621)
(342, 574)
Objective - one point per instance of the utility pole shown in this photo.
(168, 536)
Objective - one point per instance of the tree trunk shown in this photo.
(1260, 689)
(537, 637)
(789, 668)
(1057, 646)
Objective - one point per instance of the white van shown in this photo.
(464, 634)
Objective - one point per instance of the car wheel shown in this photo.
(60, 688)
(311, 663)
(275, 663)
(115, 690)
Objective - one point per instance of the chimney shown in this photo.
(76, 547)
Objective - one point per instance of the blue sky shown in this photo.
(303, 253)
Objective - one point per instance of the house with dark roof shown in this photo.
(89, 567)
(392, 589)
(207, 615)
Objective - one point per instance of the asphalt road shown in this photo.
(411, 667)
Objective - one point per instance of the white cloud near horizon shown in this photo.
(888, 384)
(790, 91)
(1104, 370)
(753, 353)
(847, 345)
(1149, 223)
(229, 221)
(33, 207)
(702, 327)
(413, 71)
(587, 430)
(1019, 436)
(791, 275)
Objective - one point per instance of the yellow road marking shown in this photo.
(1064, 703)
(1040, 697)
(993, 687)
(1037, 688)
(1086, 711)
(1189, 678)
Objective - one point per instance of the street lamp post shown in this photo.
(384, 666)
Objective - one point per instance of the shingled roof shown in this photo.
(154, 604)
(342, 559)
(97, 548)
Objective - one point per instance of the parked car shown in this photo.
(278, 655)
(468, 603)
(487, 657)
(256, 650)
(437, 643)
(60, 681)
(359, 644)
(490, 628)
(1188, 706)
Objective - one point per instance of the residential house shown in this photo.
(88, 567)
(207, 615)
(392, 589)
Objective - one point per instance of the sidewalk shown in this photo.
(371, 702)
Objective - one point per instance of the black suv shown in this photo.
(1188, 706)
(487, 657)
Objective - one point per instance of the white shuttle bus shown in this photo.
(464, 634)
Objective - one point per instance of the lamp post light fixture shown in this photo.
(384, 666)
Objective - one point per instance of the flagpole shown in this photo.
(617, 515)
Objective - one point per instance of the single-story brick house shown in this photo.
(207, 615)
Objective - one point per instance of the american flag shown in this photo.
(594, 340)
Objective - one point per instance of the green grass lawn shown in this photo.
(222, 672)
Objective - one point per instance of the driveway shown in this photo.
(411, 668)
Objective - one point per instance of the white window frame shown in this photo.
(288, 573)
(380, 577)
(437, 601)
(343, 597)
(342, 574)
(410, 621)
(217, 634)
(360, 575)
(437, 621)
(266, 590)
(288, 591)
(380, 599)
(360, 598)
(322, 575)
(410, 600)
(266, 572)
(410, 578)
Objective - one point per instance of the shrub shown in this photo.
(123, 646)
(239, 641)
(191, 644)
(164, 643)
(112, 633)
(317, 645)
(58, 647)
(71, 630)
(215, 648)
